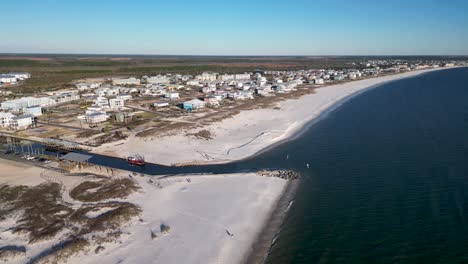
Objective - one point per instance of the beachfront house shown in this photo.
(116, 103)
(21, 122)
(194, 104)
(5, 119)
(263, 90)
(212, 100)
(338, 77)
(209, 89)
(96, 117)
(319, 81)
(172, 95)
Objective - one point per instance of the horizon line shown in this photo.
(205, 55)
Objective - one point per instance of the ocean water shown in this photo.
(388, 177)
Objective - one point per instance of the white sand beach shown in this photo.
(212, 218)
(247, 132)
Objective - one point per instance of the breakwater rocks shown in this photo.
(283, 174)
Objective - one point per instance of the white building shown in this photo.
(84, 86)
(114, 91)
(172, 95)
(261, 81)
(226, 77)
(6, 78)
(125, 97)
(319, 81)
(194, 83)
(65, 97)
(128, 81)
(116, 103)
(5, 119)
(94, 109)
(96, 118)
(212, 100)
(209, 89)
(207, 77)
(20, 75)
(21, 122)
(33, 110)
(25, 102)
(244, 76)
(102, 101)
(263, 90)
(241, 95)
(158, 80)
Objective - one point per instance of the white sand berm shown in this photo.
(212, 218)
(246, 133)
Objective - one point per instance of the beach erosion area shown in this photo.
(173, 219)
(248, 132)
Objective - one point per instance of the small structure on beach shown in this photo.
(75, 160)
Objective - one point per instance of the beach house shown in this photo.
(21, 122)
(212, 100)
(172, 95)
(128, 81)
(5, 119)
(194, 104)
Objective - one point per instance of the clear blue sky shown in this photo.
(254, 27)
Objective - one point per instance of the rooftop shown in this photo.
(76, 157)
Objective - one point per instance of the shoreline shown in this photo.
(251, 132)
(271, 229)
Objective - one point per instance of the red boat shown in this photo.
(136, 160)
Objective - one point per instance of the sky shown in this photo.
(241, 27)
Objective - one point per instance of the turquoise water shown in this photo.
(388, 177)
